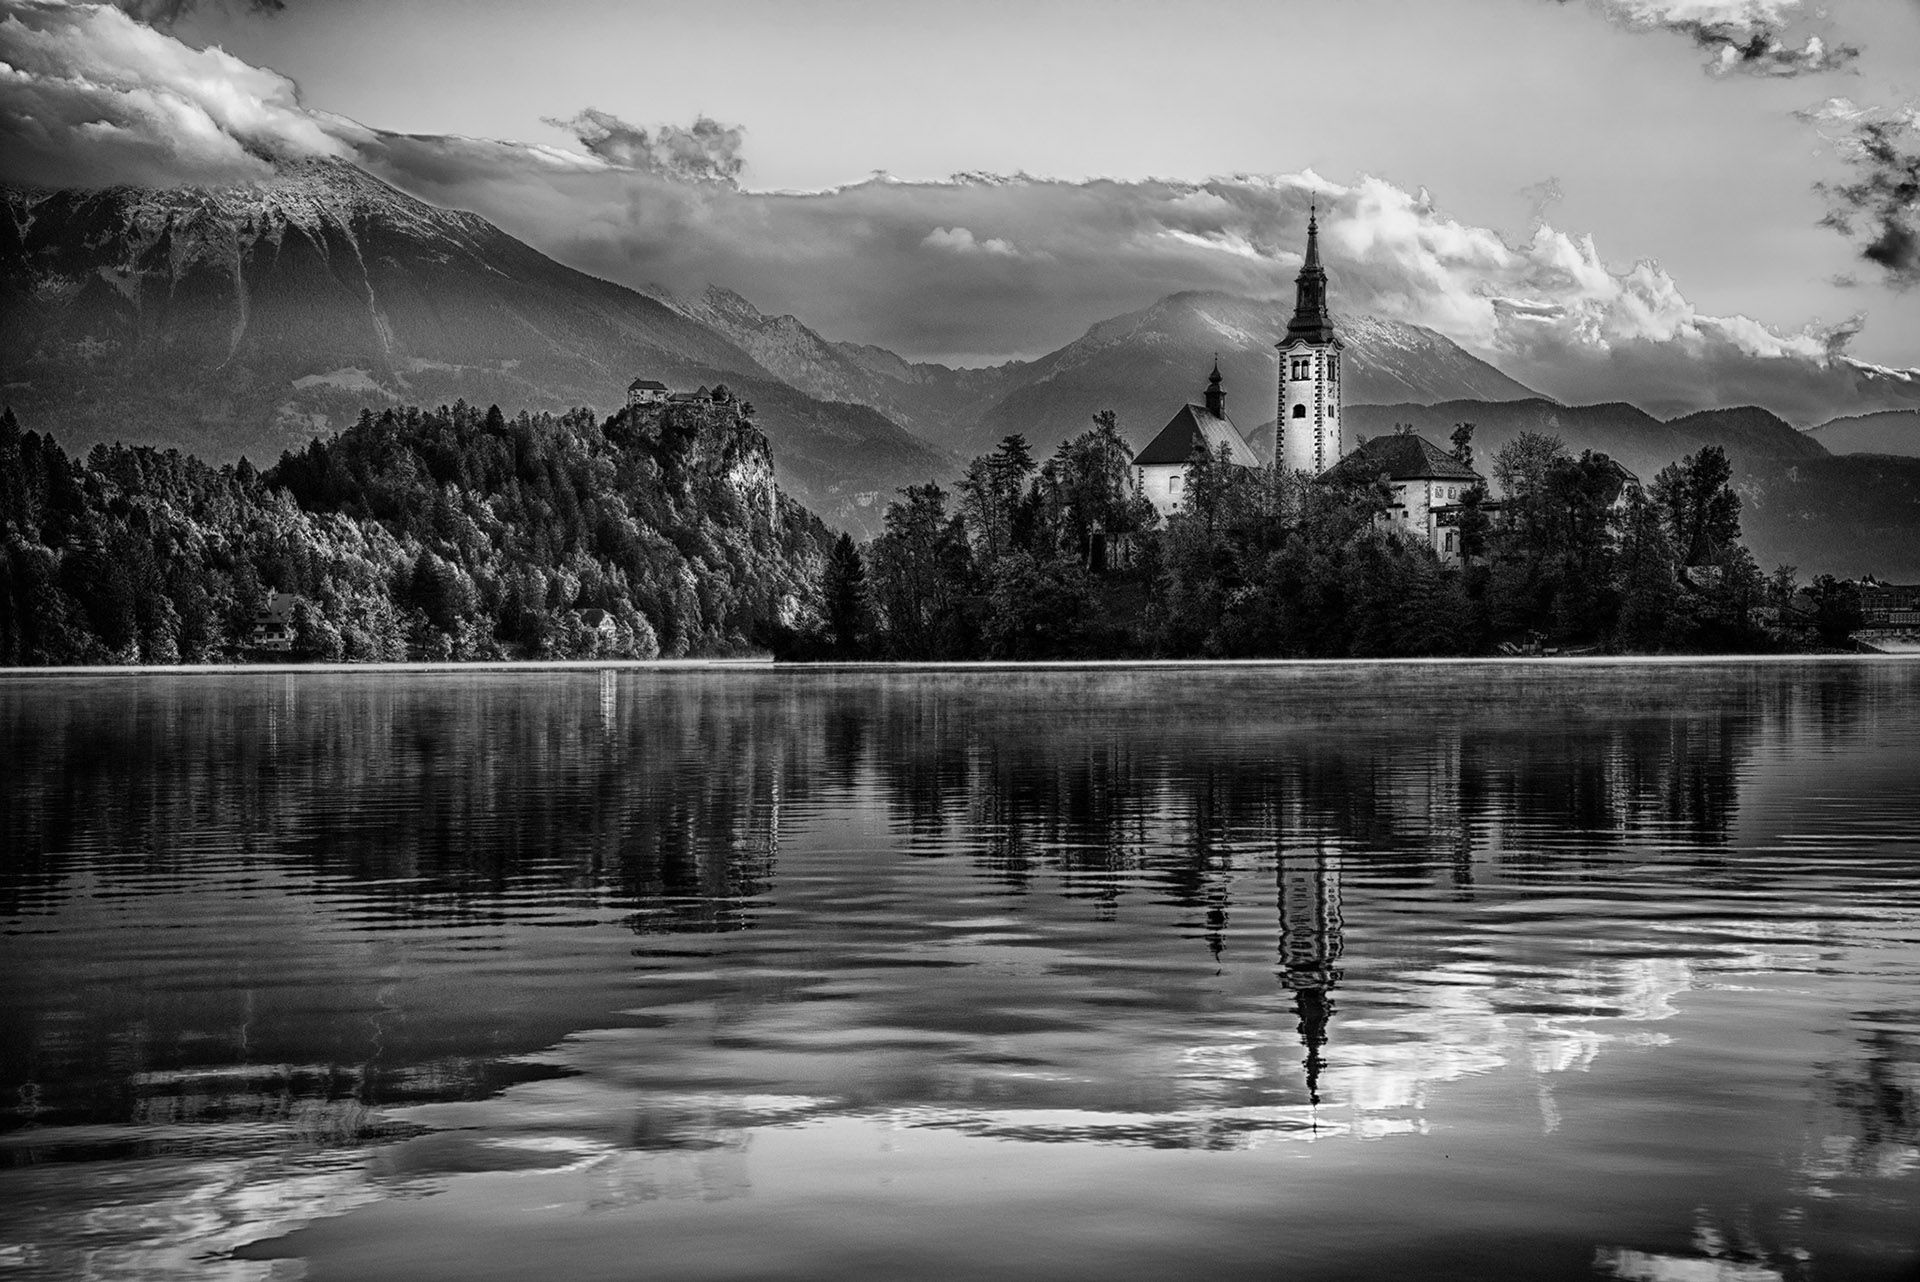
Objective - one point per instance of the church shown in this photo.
(1426, 481)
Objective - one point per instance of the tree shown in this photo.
(1836, 609)
(993, 498)
(1462, 439)
(1701, 509)
(843, 595)
(1644, 578)
(921, 570)
(1520, 467)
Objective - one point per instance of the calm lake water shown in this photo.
(1345, 971)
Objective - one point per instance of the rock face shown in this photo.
(247, 319)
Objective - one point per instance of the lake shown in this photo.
(1335, 971)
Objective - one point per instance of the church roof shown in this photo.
(1194, 424)
(1402, 456)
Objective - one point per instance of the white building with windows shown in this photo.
(1428, 485)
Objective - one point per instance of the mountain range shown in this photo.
(246, 320)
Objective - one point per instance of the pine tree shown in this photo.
(843, 592)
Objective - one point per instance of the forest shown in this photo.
(1063, 559)
(459, 534)
(445, 534)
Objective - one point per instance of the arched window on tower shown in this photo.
(1300, 410)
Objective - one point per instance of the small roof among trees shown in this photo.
(1195, 425)
(1402, 456)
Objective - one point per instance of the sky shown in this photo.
(1638, 190)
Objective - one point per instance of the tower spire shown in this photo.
(1311, 320)
(1216, 396)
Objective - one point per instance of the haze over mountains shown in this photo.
(248, 319)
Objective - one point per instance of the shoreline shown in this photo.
(766, 664)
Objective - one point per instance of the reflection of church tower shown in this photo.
(1307, 435)
(1310, 944)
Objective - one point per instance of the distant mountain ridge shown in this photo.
(247, 319)
(1888, 432)
(1143, 365)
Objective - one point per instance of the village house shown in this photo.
(272, 629)
(1427, 483)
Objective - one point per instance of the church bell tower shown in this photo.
(1307, 434)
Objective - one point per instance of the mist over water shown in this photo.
(1342, 971)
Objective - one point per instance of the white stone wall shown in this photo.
(1164, 485)
(1309, 431)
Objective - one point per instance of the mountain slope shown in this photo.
(248, 319)
(1888, 432)
(1146, 364)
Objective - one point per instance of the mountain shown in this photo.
(248, 319)
(1143, 365)
(1888, 432)
(1802, 506)
(933, 401)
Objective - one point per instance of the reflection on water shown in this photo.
(1358, 970)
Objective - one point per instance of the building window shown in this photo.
(1300, 410)
(1333, 369)
(1303, 367)
(1173, 485)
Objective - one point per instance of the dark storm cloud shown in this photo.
(1750, 36)
(705, 151)
(1879, 209)
(164, 13)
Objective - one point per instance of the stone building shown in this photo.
(646, 391)
(1428, 485)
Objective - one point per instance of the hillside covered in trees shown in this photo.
(1064, 559)
(453, 533)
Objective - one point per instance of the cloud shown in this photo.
(1880, 208)
(706, 151)
(958, 240)
(88, 95)
(1739, 35)
(979, 267)
(164, 13)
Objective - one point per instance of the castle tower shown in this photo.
(1307, 435)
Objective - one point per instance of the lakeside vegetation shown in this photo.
(453, 533)
(1063, 559)
(459, 534)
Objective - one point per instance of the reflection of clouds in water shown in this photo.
(167, 1219)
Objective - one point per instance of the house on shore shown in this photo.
(272, 629)
(1428, 485)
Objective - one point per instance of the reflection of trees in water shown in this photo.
(464, 798)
